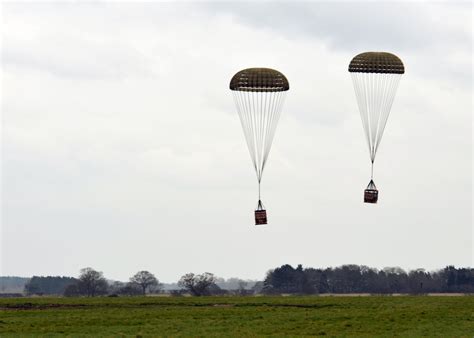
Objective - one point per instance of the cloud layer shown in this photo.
(122, 149)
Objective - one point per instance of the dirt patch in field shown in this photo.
(303, 306)
(391, 294)
(31, 306)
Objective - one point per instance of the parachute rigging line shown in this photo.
(259, 114)
(375, 94)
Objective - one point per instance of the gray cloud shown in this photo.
(427, 36)
(119, 136)
(83, 59)
(359, 25)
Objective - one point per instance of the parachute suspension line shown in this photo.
(372, 171)
(375, 94)
(388, 102)
(266, 111)
(245, 120)
(248, 96)
(275, 116)
(386, 81)
(361, 95)
(257, 134)
(371, 113)
(259, 113)
(271, 114)
(242, 117)
(269, 126)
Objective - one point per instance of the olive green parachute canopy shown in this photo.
(376, 62)
(259, 80)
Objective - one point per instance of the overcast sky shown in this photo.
(122, 149)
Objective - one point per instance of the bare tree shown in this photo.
(198, 285)
(242, 285)
(145, 280)
(92, 282)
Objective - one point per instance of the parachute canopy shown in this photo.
(376, 62)
(259, 80)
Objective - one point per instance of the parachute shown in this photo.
(259, 94)
(375, 76)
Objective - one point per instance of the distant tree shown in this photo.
(92, 283)
(418, 281)
(242, 290)
(228, 284)
(397, 279)
(314, 281)
(145, 280)
(33, 289)
(258, 287)
(346, 279)
(363, 279)
(285, 279)
(73, 290)
(130, 289)
(457, 280)
(236, 285)
(125, 289)
(370, 282)
(466, 280)
(9, 284)
(450, 274)
(48, 285)
(215, 290)
(198, 285)
(115, 286)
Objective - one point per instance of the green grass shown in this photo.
(239, 316)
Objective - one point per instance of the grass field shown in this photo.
(239, 316)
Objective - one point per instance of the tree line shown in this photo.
(92, 283)
(362, 279)
(282, 280)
